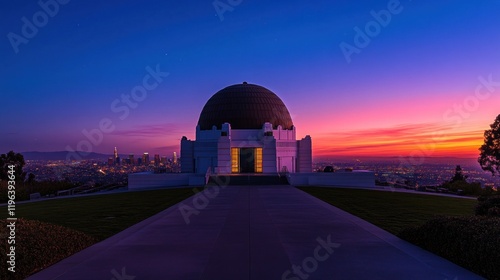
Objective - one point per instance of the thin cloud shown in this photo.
(397, 131)
(157, 130)
(433, 138)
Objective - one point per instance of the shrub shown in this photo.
(23, 189)
(39, 245)
(471, 242)
(488, 206)
(328, 169)
(467, 188)
(494, 211)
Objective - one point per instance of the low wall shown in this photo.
(151, 180)
(356, 178)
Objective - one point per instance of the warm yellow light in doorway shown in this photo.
(258, 160)
(235, 160)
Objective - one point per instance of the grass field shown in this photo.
(392, 211)
(101, 216)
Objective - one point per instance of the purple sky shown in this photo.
(425, 60)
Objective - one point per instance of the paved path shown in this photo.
(254, 232)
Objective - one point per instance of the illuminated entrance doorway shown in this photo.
(246, 160)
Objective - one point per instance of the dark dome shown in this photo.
(244, 106)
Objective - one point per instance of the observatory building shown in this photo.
(245, 128)
(245, 135)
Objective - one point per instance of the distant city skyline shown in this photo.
(417, 79)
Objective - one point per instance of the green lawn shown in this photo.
(392, 211)
(101, 216)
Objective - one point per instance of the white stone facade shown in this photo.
(281, 152)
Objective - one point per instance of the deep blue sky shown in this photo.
(66, 77)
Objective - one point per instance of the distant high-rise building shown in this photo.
(164, 160)
(131, 159)
(111, 161)
(139, 161)
(157, 159)
(175, 157)
(116, 159)
(145, 159)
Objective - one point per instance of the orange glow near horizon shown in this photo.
(409, 140)
(412, 126)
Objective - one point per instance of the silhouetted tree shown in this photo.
(459, 176)
(328, 169)
(489, 158)
(15, 159)
(31, 178)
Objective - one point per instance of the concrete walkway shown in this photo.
(254, 232)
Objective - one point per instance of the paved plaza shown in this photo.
(254, 232)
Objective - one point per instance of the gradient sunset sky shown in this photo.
(427, 83)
